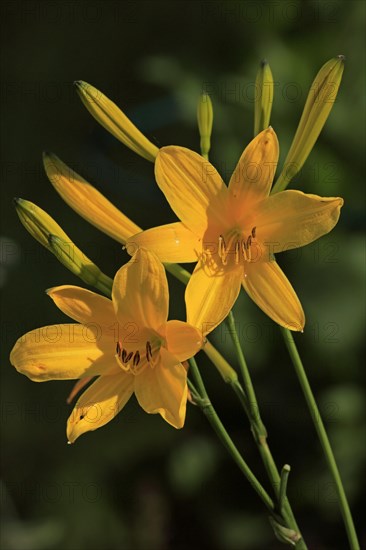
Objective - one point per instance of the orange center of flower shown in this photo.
(233, 248)
(135, 360)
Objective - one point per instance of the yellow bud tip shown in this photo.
(264, 62)
(17, 201)
(48, 156)
(78, 83)
(341, 57)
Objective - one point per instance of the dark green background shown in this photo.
(138, 483)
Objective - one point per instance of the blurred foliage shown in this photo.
(137, 483)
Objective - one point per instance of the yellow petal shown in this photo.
(254, 173)
(115, 121)
(99, 404)
(173, 242)
(210, 297)
(83, 305)
(163, 389)
(62, 352)
(87, 201)
(140, 292)
(182, 340)
(291, 219)
(270, 289)
(192, 186)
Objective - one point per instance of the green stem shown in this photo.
(179, 272)
(323, 437)
(205, 404)
(260, 434)
(255, 419)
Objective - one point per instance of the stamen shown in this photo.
(222, 247)
(254, 232)
(249, 241)
(118, 349)
(243, 249)
(124, 355)
(237, 251)
(136, 359)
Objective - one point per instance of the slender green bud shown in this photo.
(46, 231)
(115, 121)
(319, 103)
(205, 120)
(37, 222)
(263, 98)
(79, 264)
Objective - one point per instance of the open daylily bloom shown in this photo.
(233, 232)
(127, 342)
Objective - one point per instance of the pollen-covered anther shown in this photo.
(148, 352)
(136, 358)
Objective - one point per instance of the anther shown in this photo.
(124, 355)
(221, 246)
(148, 351)
(254, 232)
(136, 359)
(118, 349)
(129, 356)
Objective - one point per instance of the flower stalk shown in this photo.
(207, 408)
(323, 437)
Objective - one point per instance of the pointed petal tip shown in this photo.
(17, 200)
(78, 83)
(264, 62)
(341, 57)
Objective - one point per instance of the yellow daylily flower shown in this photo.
(234, 231)
(115, 121)
(127, 342)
